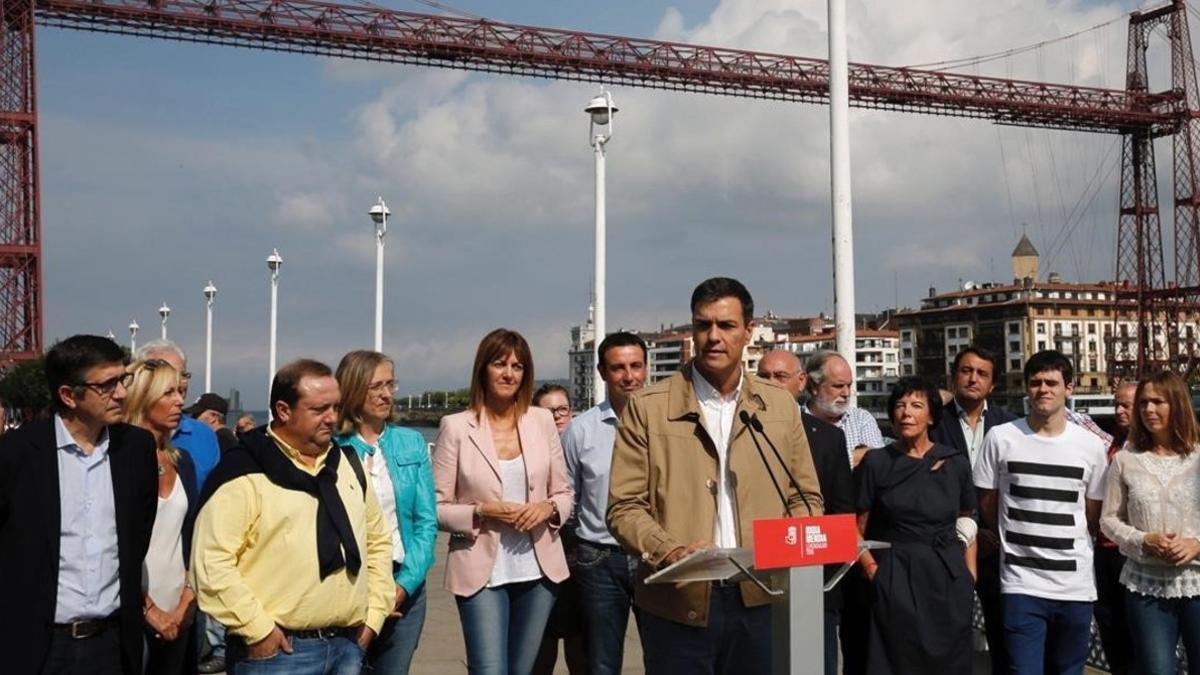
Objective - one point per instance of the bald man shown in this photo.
(1110, 598)
(828, 446)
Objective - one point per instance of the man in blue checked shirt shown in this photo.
(603, 571)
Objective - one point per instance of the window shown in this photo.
(1041, 328)
(1014, 329)
(1014, 364)
(1014, 346)
(1041, 345)
(1091, 329)
(907, 352)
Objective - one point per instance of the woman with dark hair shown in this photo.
(397, 460)
(154, 402)
(1151, 512)
(919, 497)
(503, 494)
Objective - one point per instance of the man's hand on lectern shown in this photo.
(680, 552)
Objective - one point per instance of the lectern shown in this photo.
(792, 553)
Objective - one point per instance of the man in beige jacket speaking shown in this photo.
(686, 475)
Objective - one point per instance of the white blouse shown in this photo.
(1153, 493)
(163, 571)
(516, 560)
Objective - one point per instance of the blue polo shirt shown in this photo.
(199, 441)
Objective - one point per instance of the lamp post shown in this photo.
(133, 329)
(839, 170)
(274, 262)
(164, 312)
(210, 295)
(601, 112)
(379, 215)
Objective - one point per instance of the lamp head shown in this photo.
(379, 212)
(210, 291)
(164, 311)
(133, 327)
(601, 109)
(274, 261)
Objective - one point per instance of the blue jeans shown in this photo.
(503, 626)
(1156, 625)
(736, 640)
(1049, 636)
(391, 653)
(832, 618)
(310, 656)
(605, 577)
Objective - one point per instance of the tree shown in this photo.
(24, 387)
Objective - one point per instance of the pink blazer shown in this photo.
(466, 472)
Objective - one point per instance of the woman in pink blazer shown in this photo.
(502, 493)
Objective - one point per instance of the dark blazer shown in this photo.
(828, 446)
(949, 432)
(30, 514)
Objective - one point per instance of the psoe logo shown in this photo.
(814, 539)
(790, 537)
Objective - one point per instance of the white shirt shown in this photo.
(381, 480)
(516, 560)
(717, 413)
(1042, 484)
(163, 573)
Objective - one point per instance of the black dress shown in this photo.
(922, 593)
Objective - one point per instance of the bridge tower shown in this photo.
(20, 205)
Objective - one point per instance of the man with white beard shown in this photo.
(830, 382)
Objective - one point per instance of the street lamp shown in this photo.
(164, 312)
(379, 215)
(133, 329)
(210, 294)
(274, 262)
(601, 111)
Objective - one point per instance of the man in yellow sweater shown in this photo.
(291, 552)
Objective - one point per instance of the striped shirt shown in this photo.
(1043, 483)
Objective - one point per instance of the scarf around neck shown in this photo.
(260, 453)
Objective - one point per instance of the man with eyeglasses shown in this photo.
(828, 446)
(78, 494)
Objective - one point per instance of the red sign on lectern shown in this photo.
(800, 542)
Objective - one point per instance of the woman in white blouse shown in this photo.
(1152, 511)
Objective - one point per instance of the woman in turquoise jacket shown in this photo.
(397, 461)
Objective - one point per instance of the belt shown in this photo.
(349, 632)
(81, 630)
(611, 548)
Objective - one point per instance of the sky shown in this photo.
(165, 165)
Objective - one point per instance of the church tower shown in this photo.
(1024, 260)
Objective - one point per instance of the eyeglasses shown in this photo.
(560, 411)
(107, 387)
(380, 387)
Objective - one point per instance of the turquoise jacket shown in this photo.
(408, 465)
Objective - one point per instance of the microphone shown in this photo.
(756, 425)
(746, 420)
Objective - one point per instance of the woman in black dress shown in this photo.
(912, 494)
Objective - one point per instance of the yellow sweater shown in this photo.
(254, 556)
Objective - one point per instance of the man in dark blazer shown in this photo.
(964, 423)
(828, 446)
(78, 494)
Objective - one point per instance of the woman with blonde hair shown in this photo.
(155, 402)
(503, 494)
(397, 459)
(1151, 511)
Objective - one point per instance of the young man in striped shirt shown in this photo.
(1040, 482)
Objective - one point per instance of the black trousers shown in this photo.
(96, 655)
(1110, 610)
(987, 587)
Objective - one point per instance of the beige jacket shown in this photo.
(662, 490)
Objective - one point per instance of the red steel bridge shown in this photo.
(1138, 113)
